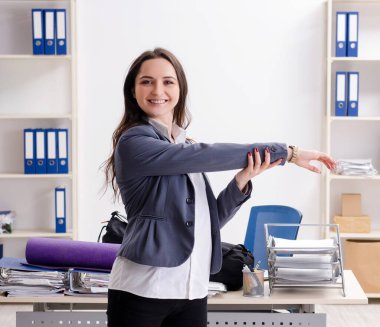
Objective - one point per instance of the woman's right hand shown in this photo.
(254, 168)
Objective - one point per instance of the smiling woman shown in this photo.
(172, 242)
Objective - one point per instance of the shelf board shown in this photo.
(374, 118)
(353, 59)
(35, 116)
(356, 2)
(374, 235)
(373, 295)
(33, 57)
(343, 177)
(36, 233)
(34, 176)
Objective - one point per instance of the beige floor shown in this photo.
(337, 315)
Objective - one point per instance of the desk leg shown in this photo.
(307, 308)
(39, 307)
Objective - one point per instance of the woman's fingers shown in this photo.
(257, 165)
(250, 161)
(266, 163)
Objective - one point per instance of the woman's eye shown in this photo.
(168, 82)
(145, 82)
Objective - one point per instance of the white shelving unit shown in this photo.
(354, 137)
(36, 91)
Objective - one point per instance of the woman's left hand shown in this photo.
(254, 168)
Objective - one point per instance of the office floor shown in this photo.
(337, 315)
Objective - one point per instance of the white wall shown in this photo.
(255, 71)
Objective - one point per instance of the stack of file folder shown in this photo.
(347, 94)
(46, 151)
(355, 167)
(87, 282)
(49, 31)
(304, 263)
(19, 279)
(347, 31)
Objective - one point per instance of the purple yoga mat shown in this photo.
(69, 253)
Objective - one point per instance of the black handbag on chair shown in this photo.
(115, 229)
(234, 259)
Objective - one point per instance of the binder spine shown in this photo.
(341, 34)
(51, 151)
(40, 151)
(60, 210)
(63, 153)
(29, 151)
(38, 30)
(61, 39)
(353, 32)
(341, 94)
(50, 27)
(353, 94)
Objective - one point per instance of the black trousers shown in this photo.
(129, 310)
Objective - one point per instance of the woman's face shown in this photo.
(157, 89)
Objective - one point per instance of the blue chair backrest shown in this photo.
(275, 214)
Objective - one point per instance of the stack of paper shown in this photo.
(308, 261)
(216, 288)
(305, 261)
(281, 245)
(88, 282)
(355, 167)
(304, 275)
(19, 280)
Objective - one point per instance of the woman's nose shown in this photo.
(157, 89)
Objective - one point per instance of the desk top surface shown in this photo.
(354, 295)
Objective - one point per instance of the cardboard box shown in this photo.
(351, 204)
(363, 258)
(360, 224)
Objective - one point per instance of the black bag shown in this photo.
(234, 259)
(115, 229)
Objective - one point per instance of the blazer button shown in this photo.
(189, 200)
(189, 223)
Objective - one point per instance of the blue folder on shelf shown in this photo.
(63, 153)
(51, 151)
(340, 94)
(29, 151)
(61, 42)
(353, 94)
(60, 210)
(341, 34)
(40, 151)
(49, 22)
(38, 31)
(352, 34)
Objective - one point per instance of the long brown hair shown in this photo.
(133, 114)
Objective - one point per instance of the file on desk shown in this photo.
(88, 282)
(16, 279)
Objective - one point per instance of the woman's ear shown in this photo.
(133, 93)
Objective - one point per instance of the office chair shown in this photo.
(275, 214)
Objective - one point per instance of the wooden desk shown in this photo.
(225, 305)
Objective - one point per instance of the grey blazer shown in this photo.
(159, 197)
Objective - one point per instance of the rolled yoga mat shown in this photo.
(69, 253)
